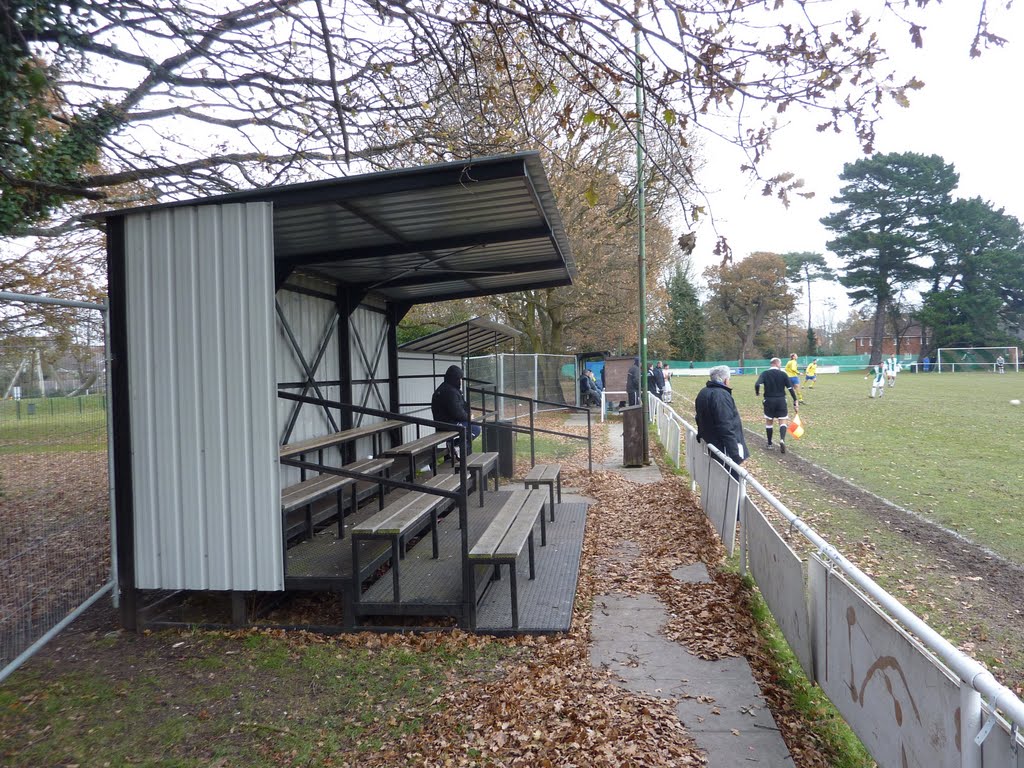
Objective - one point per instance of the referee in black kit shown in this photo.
(776, 382)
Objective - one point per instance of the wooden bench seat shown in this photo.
(401, 519)
(421, 445)
(549, 475)
(503, 540)
(337, 438)
(312, 489)
(480, 465)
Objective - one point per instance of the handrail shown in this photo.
(966, 668)
(533, 428)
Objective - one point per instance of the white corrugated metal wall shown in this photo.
(308, 317)
(200, 313)
(368, 359)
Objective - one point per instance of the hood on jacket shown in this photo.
(453, 376)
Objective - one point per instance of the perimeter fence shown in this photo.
(910, 696)
(55, 513)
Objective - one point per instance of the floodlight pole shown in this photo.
(641, 245)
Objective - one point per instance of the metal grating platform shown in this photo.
(545, 604)
(434, 587)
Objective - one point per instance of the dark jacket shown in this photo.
(775, 382)
(718, 421)
(659, 379)
(448, 404)
(652, 383)
(633, 378)
(586, 385)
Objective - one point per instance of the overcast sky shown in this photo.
(969, 113)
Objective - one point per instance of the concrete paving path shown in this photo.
(720, 703)
(648, 474)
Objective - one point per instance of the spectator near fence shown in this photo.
(718, 420)
(633, 382)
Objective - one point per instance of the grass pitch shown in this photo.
(948, 446)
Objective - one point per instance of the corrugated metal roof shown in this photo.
(464, 339)
(437, 232)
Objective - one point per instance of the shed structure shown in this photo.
(239, 322)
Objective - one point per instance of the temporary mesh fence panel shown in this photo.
(550, 378)
(54, 499)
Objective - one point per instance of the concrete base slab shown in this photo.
(720, 703)
(696, 573)
(642, 475)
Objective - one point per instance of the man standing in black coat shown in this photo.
(718, 420)
(659, 379)
(633, 382)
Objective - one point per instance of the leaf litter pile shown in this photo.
(544, 704)
(550, 707)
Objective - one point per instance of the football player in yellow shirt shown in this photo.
(811, 373)
(794, 376)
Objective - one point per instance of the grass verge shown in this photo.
(199, 699)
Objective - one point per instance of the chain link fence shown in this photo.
(55, 531)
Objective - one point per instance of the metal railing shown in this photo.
(976, 717)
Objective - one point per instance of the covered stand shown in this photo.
(260, 319)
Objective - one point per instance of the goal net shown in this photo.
(954, 359)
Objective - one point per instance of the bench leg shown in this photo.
(551, 499)
(396, 593)
(480, 480)
(433, 533)
(340, 501)
(515, 594)
(529, 543)
(543, 529)
(309, 520)
(559, 481)
(380, 488)
(357, 583)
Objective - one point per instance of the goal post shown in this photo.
(953, 359)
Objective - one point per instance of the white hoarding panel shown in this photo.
(718, 491)
(732, 498)
(997, 749)
(892, 692)
(691, 450)
(779, 574)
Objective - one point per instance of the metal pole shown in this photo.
(743, 525)
(111, 480)
(641, 245)
(970, 723)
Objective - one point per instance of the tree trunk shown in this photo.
(878, 332)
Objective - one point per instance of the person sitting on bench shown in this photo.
(450, 406)
(589, 393)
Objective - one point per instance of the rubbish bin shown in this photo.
(633, 436)
(502, 440)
